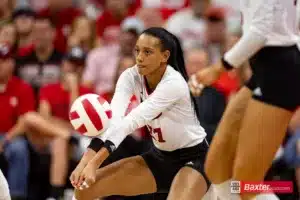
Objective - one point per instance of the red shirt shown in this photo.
(227, 84)
(16, 99)
(167, 12)
(107, 22)
(63, 20)
(59, 99)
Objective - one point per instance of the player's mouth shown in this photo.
(141, 66)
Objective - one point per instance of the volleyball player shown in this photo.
(255, 122)
(4, 191)
(175, 162)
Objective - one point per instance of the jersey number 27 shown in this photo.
(156, 134)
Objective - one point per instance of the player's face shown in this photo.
(148, 54)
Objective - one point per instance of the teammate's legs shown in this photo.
(127, 177)
(221, 153)
(220, 157)
(262, 132)
(4, 190)
(188, 184)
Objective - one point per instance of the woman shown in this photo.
(175, 161)
(255, 121)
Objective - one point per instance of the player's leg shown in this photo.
(4, 190)
(261, 135)
(127, 177)
(220, 157)
(188, 184)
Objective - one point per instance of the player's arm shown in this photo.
(121, 99)
(163, 97)
(255, 38)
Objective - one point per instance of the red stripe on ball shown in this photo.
(82, 129)
(109, 114)
(74, 115)
(92, 113)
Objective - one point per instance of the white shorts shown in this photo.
(4, 191)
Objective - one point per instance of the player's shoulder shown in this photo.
(173, 79)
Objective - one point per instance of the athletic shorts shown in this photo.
(276, 76)
(164, 165)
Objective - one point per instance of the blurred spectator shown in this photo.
(6, 8)
(16, 99)
(63, 14)
(51, 125)
(196, 59)
(24, 19)
(91, 8)
(82, 34)
(189, 24)
(102, 63)
(41, 66)
(8, 35)
(212, 101)
(151, 17)
(166, 7)
(108, 23)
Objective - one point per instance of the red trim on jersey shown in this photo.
(92, 113)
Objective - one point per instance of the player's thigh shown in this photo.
(4, 191)
(188, 184)
(127, 177)
(222, 149)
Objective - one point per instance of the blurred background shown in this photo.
(52, 51)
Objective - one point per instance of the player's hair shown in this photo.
(176, 60)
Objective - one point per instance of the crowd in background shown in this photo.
(52, 51)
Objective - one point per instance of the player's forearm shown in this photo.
(244, 49)
(100, 156)
(87, 156)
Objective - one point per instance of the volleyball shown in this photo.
(90, 115)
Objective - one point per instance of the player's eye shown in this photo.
(147, 52)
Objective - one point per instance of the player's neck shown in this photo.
(154, 78)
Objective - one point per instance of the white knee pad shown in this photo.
(223, 191)
(4, 190)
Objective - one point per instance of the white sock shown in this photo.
(223, 191)
(269, 196)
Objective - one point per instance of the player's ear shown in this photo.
(165, 56)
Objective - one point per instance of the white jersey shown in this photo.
(275, 18)
(167, 111)
(265, 23)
